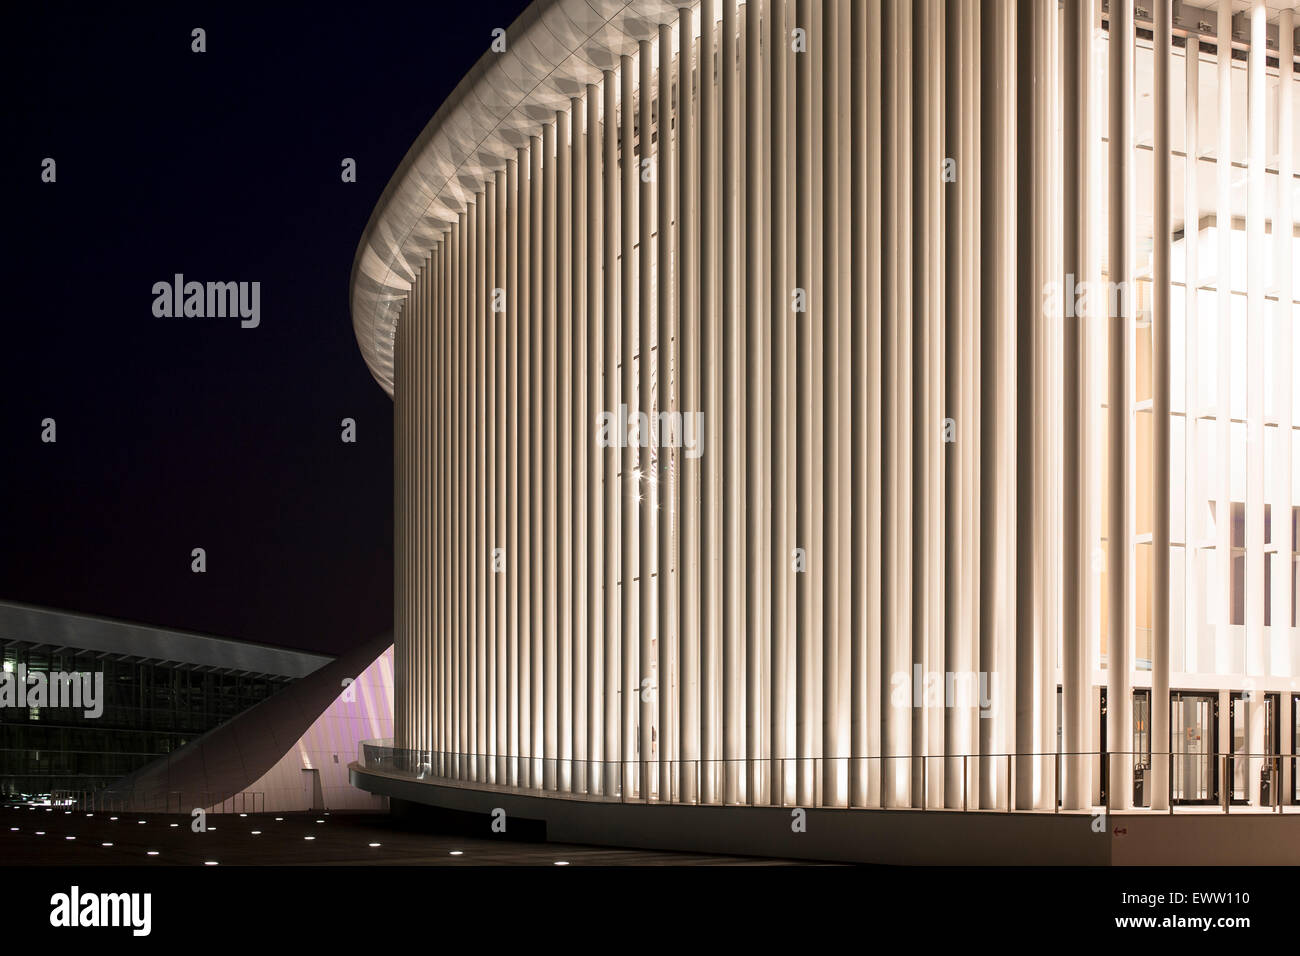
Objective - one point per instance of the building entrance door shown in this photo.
(311, 790)
(1193, 719)
(1139, 756)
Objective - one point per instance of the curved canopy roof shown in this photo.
(553, 50)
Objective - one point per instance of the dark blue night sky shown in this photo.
(180, 433)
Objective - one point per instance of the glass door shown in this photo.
(1239, 735)
(1141, 747)
(1270, 771)
(1192, 723)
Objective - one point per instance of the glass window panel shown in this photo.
(1270, 356)
(1237, 461)
(1268, 589)
(1177, 115)
(1207, 348)
(1142, 358)
(1144, 496)
(1142, 652)
(1178, 348)
(1178, 619)
(1238, 589)
(1239, 375)
(1207, 103)
(1178, 475)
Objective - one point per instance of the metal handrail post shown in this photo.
(1010, 782)
(1056, 803)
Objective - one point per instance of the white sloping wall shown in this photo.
(363, 711)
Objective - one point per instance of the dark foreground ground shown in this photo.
(40, 837)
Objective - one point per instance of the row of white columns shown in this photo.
(758, 220)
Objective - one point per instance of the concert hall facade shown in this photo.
(842, 408)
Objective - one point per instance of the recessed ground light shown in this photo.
(211, 828)
(175, 824)
(67, 813)
(278, 819)
(309, 838)
(457, 852)
(90, 814)
(209, 862)
(374, 844)
(13, 829)
(112, 818)
(561, 862)
(69, 838)
(40, 833)
(320, 821)
(243, 814)
(152, 853)
(139, 821)
(257, 833)
(106, 844)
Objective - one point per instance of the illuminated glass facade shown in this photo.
(143, 693)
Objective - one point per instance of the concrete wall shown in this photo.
(363, 711)
(901, 837)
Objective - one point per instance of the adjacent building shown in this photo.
(150, 692)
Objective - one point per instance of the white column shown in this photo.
(473, 490)
(729, 462)
(513, 538)
(627, 485)
(666, 483)
(581, 443)
(489, 431)
(928, 427)
(537, 448)
(1079, 154)
(1281, 660)
(710, 366)
(830, 384)
(1194, 602)
(783, 671)
(445, 737)
(643, 486)
(1223, 397)
(757, 20)
(1257, 118)
(613, 498)
(1120, 530)
(1161, 333)
(865, 321)
(561, 502)
(596, 480)
(997, 398)
(896, 379)
(960, 376)
(460, 459)
(688, 359)
(840, 351)
(524, 402)
(549, 403)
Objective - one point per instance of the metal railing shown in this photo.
(964, 782)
